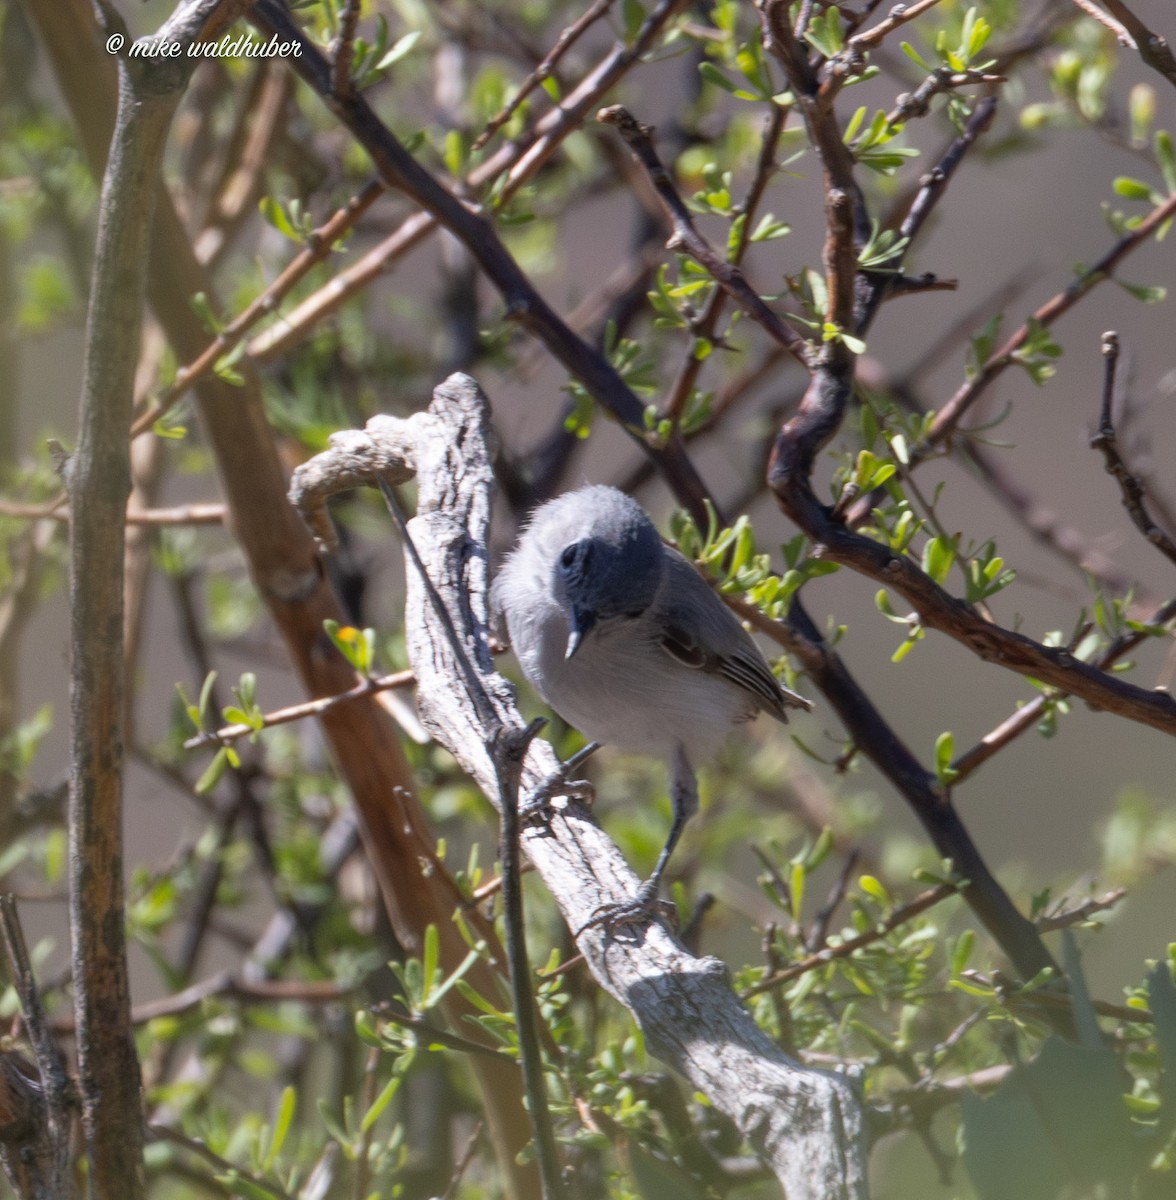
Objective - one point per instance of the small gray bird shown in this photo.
(626, 641)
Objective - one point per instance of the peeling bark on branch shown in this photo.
(806, 1124)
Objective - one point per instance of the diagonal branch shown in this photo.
(805, 1123)
(1153, 49)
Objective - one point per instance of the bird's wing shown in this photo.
(700, 631)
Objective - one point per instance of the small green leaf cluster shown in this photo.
(872, 144)
(732, 56)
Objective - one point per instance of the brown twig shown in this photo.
(1153, 49)
(680, 390)
(949, 416)
(887, 925)
(898, 16)
(1029, 713)
(297, 712)
(1082, 912)
(37, 1104)
(1106, 442)
(1059, 1000)
(463, 1161)
(237, 191)
(343, 48)
(918, 102)
(566, 40)
(1093, 11)
(684, 234)
(318, 246)
(222, 1167)
(183, 514)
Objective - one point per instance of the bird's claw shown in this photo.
(643, 907)
(538, 802)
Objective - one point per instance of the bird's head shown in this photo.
(607, 560)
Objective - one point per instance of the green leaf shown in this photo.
(379, 1104)
(713, 75)
(962, 952)
(944, 752)
(796, 887)
(938, 558)
(286, 1106)
(1166, 158)
(633, 17)
(399, 50)
(872, 886)
(213, 772)
(1133, 189)
(202, 307)
(915, 57)
(1149, 294)
(174, 433)
(769, 229)
(274, 214)
(431, 956)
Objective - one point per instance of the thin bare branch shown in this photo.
(1153, 49)
(1082, 912)
(685, 236)
(182, 514)
(566, 40)
(298, 712)
(1092, 10)
(343, 48)
(887, 925)
(898, 16)
(949, 416)
(1130, 486)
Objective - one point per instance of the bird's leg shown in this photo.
(558, 783)
(684, 797)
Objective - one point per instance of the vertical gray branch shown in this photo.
(98, 479)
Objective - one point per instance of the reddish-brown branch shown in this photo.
(1029, 713)
(318, 247)
(938, 609)
(299, 712)
(949, 416)
(821, 958)
(683, 385)
(182, 514)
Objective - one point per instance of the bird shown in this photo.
(623, 638)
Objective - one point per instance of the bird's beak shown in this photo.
(581, 620)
